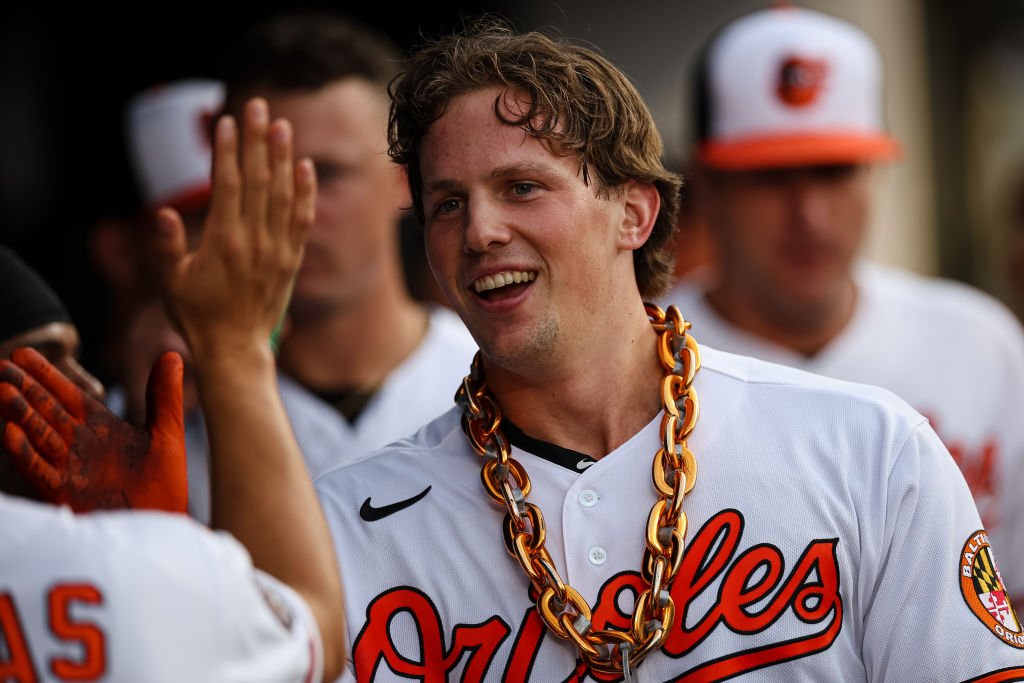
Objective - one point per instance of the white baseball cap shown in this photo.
(789, 86)
(168, 129)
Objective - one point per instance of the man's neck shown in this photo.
(594, 401)
(356, 347)
(806, 332)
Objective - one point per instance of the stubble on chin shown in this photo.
(524, 356)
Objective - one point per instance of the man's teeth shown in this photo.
(507, 277)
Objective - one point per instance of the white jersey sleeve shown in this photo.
(909, 545)
(139, 596)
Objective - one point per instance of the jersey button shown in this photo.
(597, 555)
(588, 498)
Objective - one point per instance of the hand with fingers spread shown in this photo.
(234, 288)
(74, 451)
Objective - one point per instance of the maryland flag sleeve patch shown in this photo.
(983, 591)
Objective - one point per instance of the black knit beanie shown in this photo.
(26, 301)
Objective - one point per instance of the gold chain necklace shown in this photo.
(560, 606)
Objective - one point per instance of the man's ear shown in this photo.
(641, 202)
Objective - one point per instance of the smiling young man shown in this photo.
(789, 142)
(793, 526)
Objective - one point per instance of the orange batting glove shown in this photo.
(75, 452)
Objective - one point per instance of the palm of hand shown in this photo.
(75, 452)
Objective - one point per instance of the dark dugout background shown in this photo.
(65, 77)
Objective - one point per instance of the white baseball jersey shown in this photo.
(831, 538)
(953, 352)
(419, 389)
(128, 597)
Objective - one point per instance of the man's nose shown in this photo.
(809, 205)
(486, 226)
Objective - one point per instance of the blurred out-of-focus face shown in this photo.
(59, 343)
(360, 192)
(786, 239)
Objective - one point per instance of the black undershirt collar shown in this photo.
(565, 457)
(349, 402)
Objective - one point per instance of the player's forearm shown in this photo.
(272, 509)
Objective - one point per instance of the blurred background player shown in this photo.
(789, 122)
(356, 338)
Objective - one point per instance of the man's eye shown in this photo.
(328, 173)
(448, 206)
(521, 189)
(835, 172)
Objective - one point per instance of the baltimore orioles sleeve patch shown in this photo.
(983, 591)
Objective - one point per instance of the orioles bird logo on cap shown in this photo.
(800, 80)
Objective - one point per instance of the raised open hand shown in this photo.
(74, 451)
(233, 290)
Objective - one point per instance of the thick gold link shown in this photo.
(679, 325)
(533, 538)
(691, 344)
(674, 556)
(551, 608)
(650, 631)
(521, 550)
(583, 643)
(481, 430)
(608, 643)
(540, 562)
(672, 387)
(465, 397)
(656, 315)
(676, 428)
(691, 411)
(494, 476)
(663, 472)
(675, 501)
(516, 505)
(657, 524)
(675, 453)
(550, 577)
(560, 606)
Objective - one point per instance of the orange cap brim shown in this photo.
(810, 149)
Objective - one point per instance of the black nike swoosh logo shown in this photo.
(371, 514)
